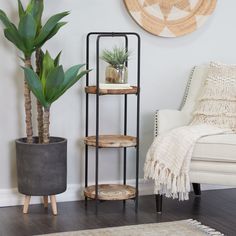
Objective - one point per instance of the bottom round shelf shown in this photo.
(111, 192)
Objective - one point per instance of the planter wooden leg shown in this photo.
(53, 204)
(26, 204)
(45, 201)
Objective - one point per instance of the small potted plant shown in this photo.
(116, 71)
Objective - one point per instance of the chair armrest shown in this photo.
(166, 120)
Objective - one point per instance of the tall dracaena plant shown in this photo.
(28, 36)
(51, 84)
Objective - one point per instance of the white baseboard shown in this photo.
(74, 192)
(11, 197)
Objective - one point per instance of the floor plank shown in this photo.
(216, 208)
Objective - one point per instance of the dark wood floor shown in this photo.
(215, 208)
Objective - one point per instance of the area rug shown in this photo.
(175, 228)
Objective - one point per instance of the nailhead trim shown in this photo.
(156, 121)
(187, 88)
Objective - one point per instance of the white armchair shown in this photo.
(214, 157)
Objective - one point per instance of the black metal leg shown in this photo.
(125, 118)
(197, 189)
(86, 172)
(137, 177)
(97, 125)
(96, 182)
(158, 203)
(124, 181)
(87, 118)
(138, 121)
(125, 133)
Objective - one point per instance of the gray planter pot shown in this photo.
(42, 168)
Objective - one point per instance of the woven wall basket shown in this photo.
(170, 18)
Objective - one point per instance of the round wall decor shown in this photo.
(170, 18)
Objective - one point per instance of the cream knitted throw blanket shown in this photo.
(168, 159)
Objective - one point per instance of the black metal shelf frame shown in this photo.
(99, 36)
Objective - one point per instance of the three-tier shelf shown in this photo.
(100, 192)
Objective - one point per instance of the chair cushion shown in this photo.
(216, 104)
(213, 172)
(221, 148)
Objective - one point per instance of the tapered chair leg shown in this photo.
(53, 204)
(45, 201)
(158, 203)
(197, 189)
(26, 204)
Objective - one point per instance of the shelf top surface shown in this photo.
(111, 192)
(109, 141)
(103, 91)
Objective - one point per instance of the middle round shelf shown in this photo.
(111, 141)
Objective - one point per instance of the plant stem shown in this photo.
(40, 121)
(46, 123)
(39, 106)
(28, 106)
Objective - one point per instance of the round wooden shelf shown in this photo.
(111, 192)
(111, 141)
(93, 90)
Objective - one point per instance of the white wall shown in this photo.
(166, 64)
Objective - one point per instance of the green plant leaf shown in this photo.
(115, 57)
(70, 79)
(77, 78)
(21, 10)
(48, 65)
(54, 82)
(48, 28)
(56, 29)
(13, 36)
(35, 85)
(71, 73)
(27, 30)
(57, 59)
(3, 17)
(53, 32)
(35, 8)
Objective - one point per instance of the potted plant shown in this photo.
(116, 71)
(41, 160)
